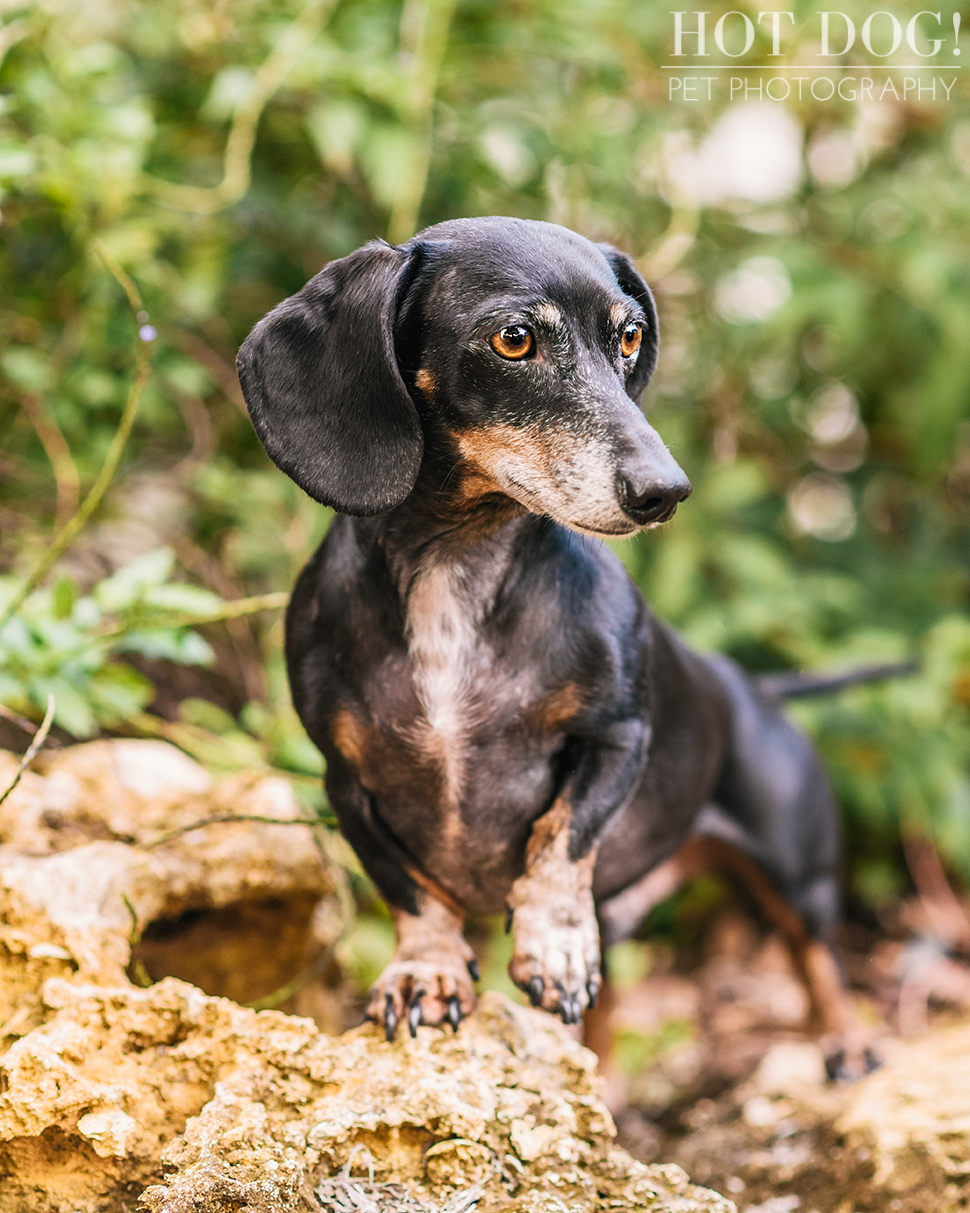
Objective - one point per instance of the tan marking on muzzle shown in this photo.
(539, 448)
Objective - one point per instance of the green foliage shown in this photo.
(814, 380)
(65, 644)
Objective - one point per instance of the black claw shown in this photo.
(835, 1066)
(535, 991)
(414, 1015)
(871, 1060)
(593, 991)
(473, 970)
(390, 1017)
(454, 1012)
(508, 919)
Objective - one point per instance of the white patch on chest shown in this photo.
(444, 646)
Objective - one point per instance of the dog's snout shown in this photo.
(653, 501)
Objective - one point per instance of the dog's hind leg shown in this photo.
(846, 1048)
(775, 825)
(775, 828)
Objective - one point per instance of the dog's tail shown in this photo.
(791, 684)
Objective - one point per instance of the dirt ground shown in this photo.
(714, 1068)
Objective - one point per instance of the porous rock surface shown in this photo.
(111, 1095)
(78, 884)
(898, 1141)
(912, 1120)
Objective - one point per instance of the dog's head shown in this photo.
(518, 347)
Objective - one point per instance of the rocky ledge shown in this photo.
(114, 1097)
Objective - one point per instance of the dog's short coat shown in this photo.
(506, 726)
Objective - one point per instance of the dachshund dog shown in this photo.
(505, 724)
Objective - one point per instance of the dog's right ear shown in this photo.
(323, 386)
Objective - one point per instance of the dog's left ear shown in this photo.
(633, 285)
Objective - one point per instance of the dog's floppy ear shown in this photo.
(323, 386)
(633, 285)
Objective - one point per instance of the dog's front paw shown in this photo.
(556, 954)
(429, 980)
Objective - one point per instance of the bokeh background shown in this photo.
(169, 172)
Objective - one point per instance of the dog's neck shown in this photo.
(438, 525)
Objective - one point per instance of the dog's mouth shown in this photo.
(620, 532)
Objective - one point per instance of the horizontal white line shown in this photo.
(801, 67)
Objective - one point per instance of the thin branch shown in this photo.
(244, 606)
(236, 609)
(124, 280)
(242, 634)
(57, 451)
(236, 164)
(21, 722)
(425, 26)
(68, 533)
(225, 819)
(39, 738)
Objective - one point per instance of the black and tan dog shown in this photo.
(506, 726)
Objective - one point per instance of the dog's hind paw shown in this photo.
(848, 1062)
(849, 1054)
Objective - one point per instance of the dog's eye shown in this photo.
(630, 340)
(514, 342)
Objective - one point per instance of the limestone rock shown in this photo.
(913, 1118)
(111, 1094)
(74, 890)
(253, 1110)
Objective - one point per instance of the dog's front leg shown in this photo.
(556, 954)
(429, 978)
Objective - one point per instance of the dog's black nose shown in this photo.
(654, 502)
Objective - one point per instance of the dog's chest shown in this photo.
(448, 657)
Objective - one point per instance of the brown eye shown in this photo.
(513, 342)
(630, 340)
